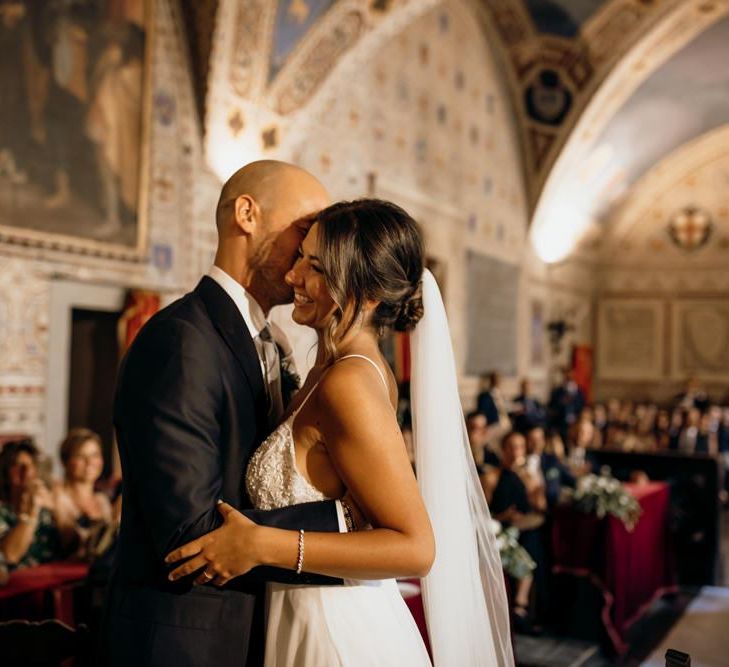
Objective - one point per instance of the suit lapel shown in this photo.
(231, 326)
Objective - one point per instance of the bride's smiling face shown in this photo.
(313, 304)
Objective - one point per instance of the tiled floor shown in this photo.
(701, 631)
(693, 621)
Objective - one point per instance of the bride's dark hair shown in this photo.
(370, 250)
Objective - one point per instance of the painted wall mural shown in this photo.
(562, 18)
(560, 52)
(179, 232)
(294, 18)
(701, 338)
(630, 337)
(72, 129)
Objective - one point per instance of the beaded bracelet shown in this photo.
(300, 559)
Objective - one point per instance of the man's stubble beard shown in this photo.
(268, 280)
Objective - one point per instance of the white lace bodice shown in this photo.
(272, 479)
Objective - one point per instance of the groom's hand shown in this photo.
(222, 554)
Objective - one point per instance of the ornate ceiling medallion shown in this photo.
(690, 228)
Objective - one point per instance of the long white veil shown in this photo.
(464, 595)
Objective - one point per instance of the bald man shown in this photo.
(197, 392)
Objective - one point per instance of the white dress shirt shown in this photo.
(255, 320)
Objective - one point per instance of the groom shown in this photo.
(197, 393)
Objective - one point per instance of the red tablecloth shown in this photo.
(630, 568)
(45, 591)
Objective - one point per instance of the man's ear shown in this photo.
(245, 213)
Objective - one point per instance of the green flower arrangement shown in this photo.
(514, 558)
(603, 494)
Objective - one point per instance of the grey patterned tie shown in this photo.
(271, 374)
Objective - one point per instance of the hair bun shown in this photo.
(411, 310)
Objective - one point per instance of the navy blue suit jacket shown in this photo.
(190, 410)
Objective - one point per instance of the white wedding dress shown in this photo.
(362, 623)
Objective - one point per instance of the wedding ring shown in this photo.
(207, 575)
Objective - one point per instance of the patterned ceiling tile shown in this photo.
(563, 18)
(294, 19)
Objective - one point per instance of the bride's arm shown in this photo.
(364, 442)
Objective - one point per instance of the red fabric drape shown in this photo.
(402, 357)
(139, 306)
(582, 366)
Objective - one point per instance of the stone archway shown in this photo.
(558, 213)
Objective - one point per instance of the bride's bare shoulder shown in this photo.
(352, 385)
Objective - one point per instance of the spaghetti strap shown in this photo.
(303, 403)
(348, 356)
(377, 368)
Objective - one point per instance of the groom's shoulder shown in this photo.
(183, 319)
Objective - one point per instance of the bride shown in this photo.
(360, 272)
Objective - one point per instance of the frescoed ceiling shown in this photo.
(294, 18)
(563, 18)
(557, 54)
(686, 97)
(681, 99)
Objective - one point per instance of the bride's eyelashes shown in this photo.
(313, 261)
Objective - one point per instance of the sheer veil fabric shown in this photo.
(464, 596)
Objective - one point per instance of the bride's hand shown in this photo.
(221, 555)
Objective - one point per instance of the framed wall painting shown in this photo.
(700, 335)
(74, 124)
(630, 339)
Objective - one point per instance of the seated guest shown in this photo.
(600, 419)
(678, 417)
(693, 396)
(645, 422)
(723, 446)
(515, 499)
(613, 411)
(723, 438)
(28, 533)
(584, 434)
(565, 404)
(478, 434)
(711, 425)
(694, 436)
(639, 477)
(527, 412)
(491, 403)
(662, 430)
(553, 472)
(82, 513)
(555, 445)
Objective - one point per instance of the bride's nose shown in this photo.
(292, 277)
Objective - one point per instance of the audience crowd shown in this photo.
(43, 519)
(527, 453)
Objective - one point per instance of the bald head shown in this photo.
(263, 214)
(266, 182)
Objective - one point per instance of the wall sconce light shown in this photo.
(557, 330)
